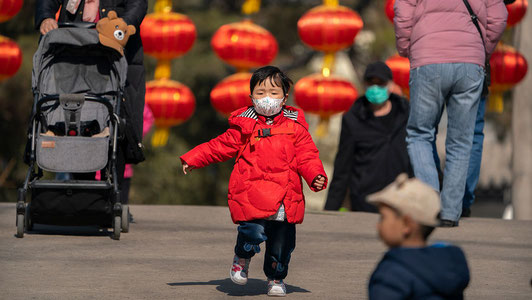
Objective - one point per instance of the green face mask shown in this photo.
(377, 94)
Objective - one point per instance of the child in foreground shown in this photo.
(410, 269)
(273, 149)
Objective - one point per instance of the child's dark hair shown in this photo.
(277, 77)
(425, 231)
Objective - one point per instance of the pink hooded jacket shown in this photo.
(441, 31)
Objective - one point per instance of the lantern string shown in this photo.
(323, 127)
(330, 2)
(250, 7)
(328, 64)
(162, 71)
(160, 137)
(163, 6)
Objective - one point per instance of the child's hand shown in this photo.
(319, 182)
(186, 168)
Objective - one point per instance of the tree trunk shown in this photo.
(522, 128)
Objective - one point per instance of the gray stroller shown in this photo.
(74, 129)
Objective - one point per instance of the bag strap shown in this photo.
(474, 18)
(487, 67)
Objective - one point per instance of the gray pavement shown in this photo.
(185, 252)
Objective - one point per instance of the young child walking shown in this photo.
(273, 149)
(411, 269)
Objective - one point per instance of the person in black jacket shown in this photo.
(372, 149)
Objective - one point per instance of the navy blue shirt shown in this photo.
(435, 272)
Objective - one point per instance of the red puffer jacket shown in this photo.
(270, 160)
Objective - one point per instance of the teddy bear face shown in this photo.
(114, 32)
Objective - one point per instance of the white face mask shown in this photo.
(268, 106)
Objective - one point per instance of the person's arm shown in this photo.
(342, 169)
(135, 12)
(403, 22)
(497, 14)
(308, 160)
(221, 148)
(45, 11)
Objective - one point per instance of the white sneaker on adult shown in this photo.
(276, 288)
(239, 270)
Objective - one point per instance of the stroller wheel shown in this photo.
(116, 227)
(20, 225)
(29, 221)
(125, 218)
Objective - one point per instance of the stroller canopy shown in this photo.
(72, 61)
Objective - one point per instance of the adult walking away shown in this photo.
(372, 149)
(447, 58)
(132, 12)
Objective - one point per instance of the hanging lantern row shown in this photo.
(10, 53)
(243, 45)
(171, 103)
(167, 35)
(9, 8)
(508, 67)
(10, 58)
(231, 93)
(516, 12)
(329, 28)
(324, 95)
(400, 67)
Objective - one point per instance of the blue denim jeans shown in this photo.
(280, 238)
(456, 86)
(475, 160)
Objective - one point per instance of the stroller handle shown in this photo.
(86, 25)
(88, 97)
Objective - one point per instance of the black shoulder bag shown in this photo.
(487, 67)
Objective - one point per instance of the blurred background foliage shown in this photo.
(159, 179)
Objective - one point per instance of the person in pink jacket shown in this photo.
(447, 57)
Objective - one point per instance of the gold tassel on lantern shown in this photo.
(328, 64)
(160, 137)
(496, 103)
(323, 127)
(250, 7)
(162, 71)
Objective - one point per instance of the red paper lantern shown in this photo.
(324, 96)
(167, 35)
(10, 58)
(508, 67)
(400, 67)
(231, 93)
(516, 12)
(388, 9)
(244, 45)
(171, 103)
(9, 8)
(329, 28)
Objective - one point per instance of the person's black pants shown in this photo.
(280, 240)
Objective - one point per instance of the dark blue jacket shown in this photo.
(429, 273)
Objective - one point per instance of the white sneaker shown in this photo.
(239, 270)
(276, 288)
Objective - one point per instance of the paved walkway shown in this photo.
(184, 252)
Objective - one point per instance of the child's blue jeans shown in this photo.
(280, 240)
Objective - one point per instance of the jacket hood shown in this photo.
(246, 117)
(443, 267)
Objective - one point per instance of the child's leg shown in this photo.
(279, 246)
(250, 235)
